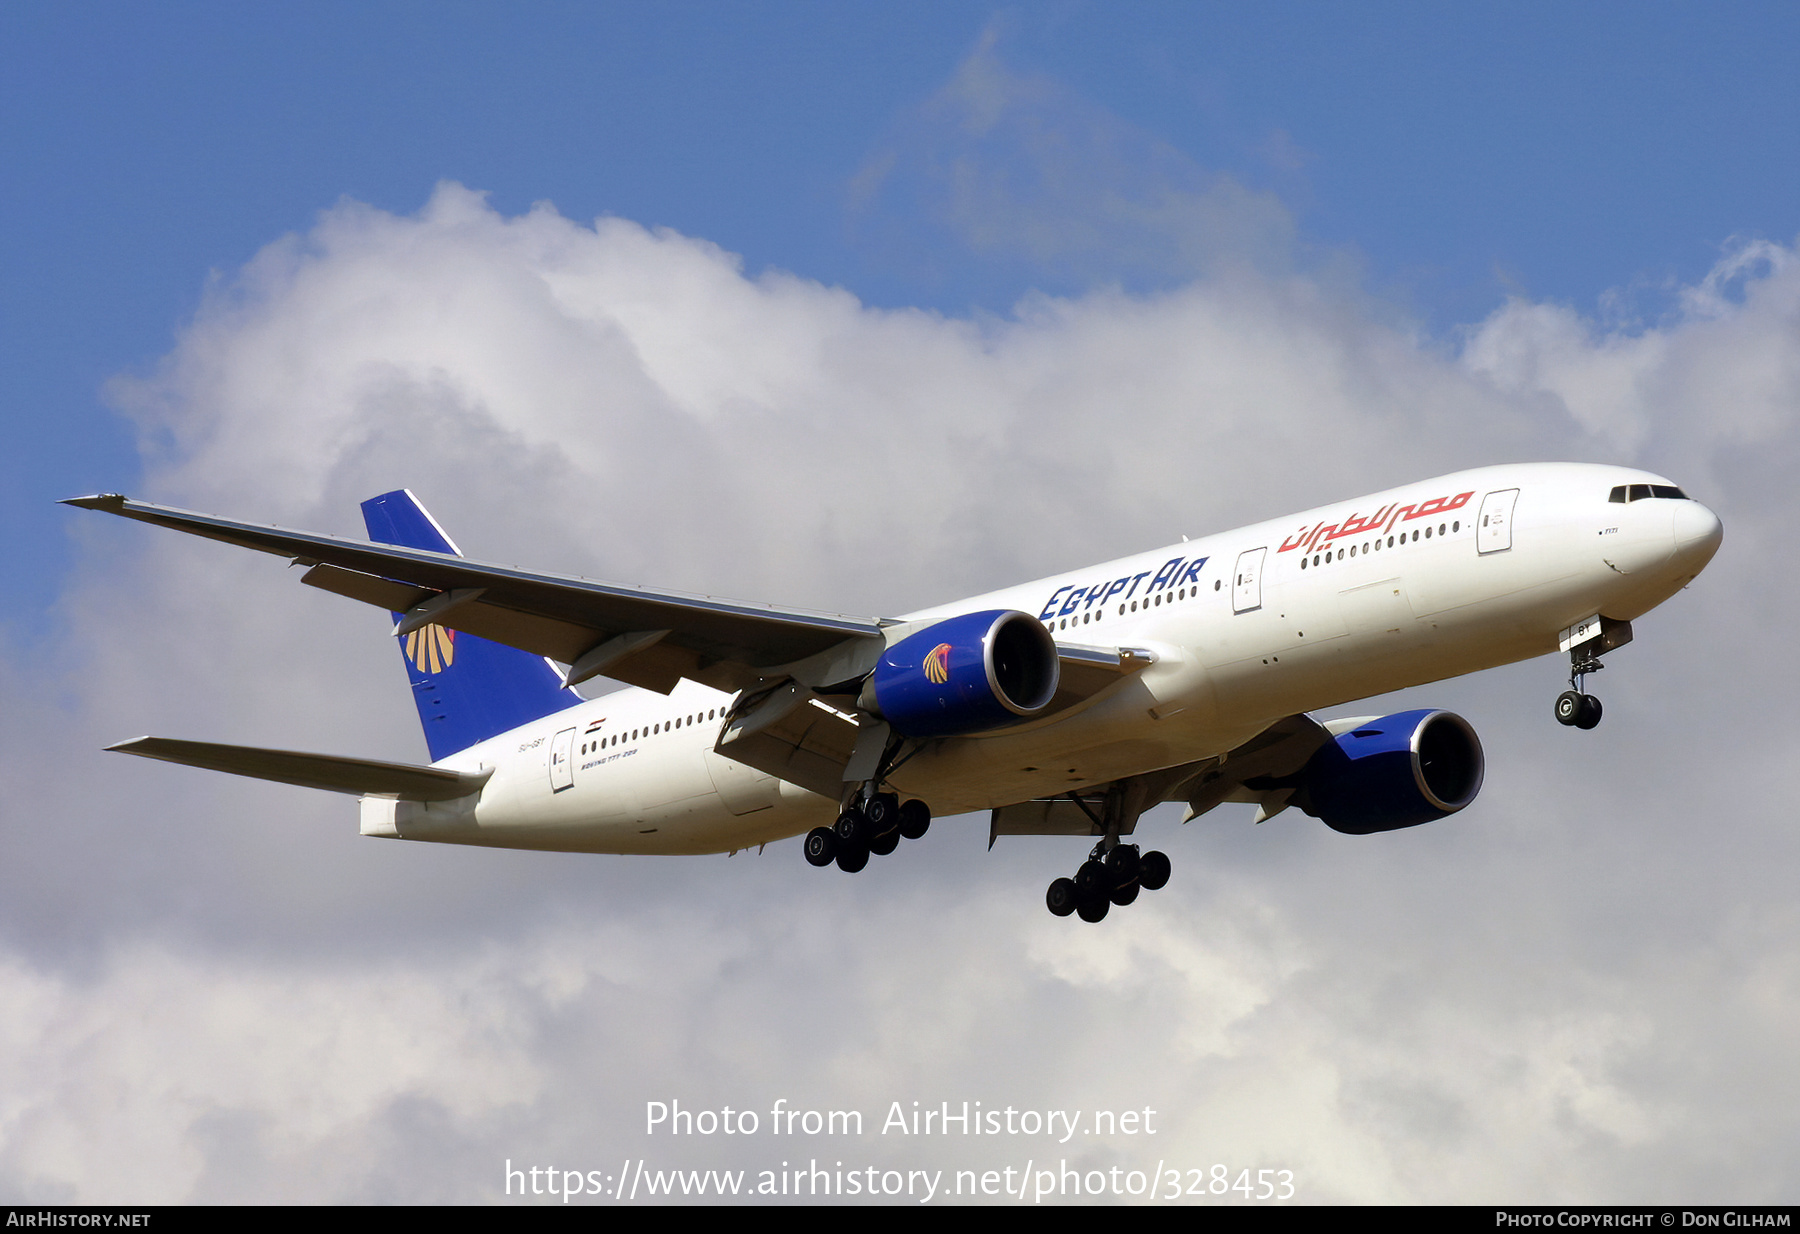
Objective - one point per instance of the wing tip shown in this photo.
(111, 502)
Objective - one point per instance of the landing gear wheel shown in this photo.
(852, 857)
(1109, 876)
(1153, 871)
(821, 846)
(1590, 712)
(1570, 707)
(915, 818)
(849, 829)
(881, 812)
(1092, 882)
(884, 844)
(1123, 864)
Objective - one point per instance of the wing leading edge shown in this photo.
(641, 637)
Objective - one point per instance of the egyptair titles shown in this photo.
(1176, 572)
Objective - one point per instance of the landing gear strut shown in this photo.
(872, 822)
(1114, 873)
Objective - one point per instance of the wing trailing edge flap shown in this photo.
(1094, 811)
(1260, 770)
(726, 644)
(791, 733)
(361, 776)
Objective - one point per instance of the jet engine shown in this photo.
(1396, 771)
(965, 674)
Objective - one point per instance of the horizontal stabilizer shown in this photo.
(363, 776)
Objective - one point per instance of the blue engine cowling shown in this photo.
(965, 674)
(1398, 771)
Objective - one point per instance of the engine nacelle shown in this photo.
(965, 674)
(1398, 771)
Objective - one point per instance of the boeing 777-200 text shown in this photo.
(1066, 706)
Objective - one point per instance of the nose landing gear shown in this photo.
(1597, 636)
(1574, 707)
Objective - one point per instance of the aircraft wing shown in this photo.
(1261, 770)
(641, 637)
(363, 776)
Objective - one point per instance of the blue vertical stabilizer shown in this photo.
(467, 689)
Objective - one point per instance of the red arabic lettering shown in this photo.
(1307, 539)
(1295, 541)
(1438, 505)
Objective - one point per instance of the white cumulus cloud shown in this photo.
(1582, 988)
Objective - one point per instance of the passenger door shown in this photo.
(562, 761)
(1494, 533)
(1246, 586)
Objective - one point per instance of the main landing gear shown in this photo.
(1107, 878)
(1573, 707)
(876, 825)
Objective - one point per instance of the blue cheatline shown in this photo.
(467, 689)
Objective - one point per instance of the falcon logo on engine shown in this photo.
(937, 664)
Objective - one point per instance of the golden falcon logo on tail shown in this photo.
(431, 648)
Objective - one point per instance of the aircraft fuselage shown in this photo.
(1357, 598)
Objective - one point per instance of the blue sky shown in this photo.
(863, 308)
(1460, 153)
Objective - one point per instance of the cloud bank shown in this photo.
(1581, 989)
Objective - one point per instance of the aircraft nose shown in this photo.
(1698, 534)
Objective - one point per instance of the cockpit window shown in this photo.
(1640, 492)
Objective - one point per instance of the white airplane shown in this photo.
(1066, 706)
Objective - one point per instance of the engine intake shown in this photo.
(965, 674)
(1398, 771)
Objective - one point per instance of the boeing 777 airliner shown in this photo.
(1066, 706)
